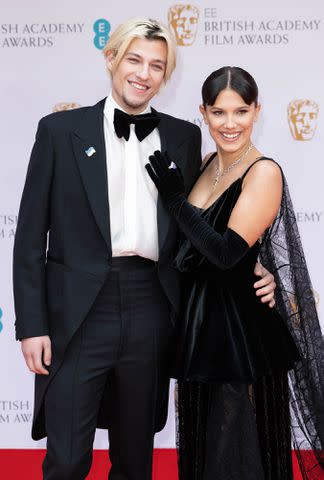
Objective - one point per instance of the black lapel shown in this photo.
(168, 142)
(89, 148)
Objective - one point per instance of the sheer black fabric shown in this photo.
(271, 401)
(218, 433)
(282, 254)
(232, 431)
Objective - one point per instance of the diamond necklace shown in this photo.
(219, 174)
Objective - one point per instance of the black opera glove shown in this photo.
(222, 250)
(167, 178)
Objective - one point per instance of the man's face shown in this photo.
(303, 122)
(139, 74)
(184, 22)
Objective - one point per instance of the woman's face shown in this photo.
(230, 121)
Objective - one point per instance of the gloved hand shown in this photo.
(222, 250)
(167, 178)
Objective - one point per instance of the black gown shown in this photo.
(230, 342)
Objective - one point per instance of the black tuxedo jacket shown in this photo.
(62, 249)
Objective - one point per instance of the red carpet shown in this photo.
(26, 465)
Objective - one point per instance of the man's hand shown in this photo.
(37, 350)
(266, 286)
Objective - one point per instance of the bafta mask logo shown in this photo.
(302, 119)
(183, 20)
(60, 107)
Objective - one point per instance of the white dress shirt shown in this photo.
(132, 194)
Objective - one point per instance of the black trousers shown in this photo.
(124, 340)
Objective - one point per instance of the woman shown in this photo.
(234, 420)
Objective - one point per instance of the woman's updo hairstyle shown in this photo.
(234, 78)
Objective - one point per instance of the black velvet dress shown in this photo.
(230, 341)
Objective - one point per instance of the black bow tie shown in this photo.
(144, 124)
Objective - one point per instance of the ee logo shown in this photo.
(101, 28)
(1, 326)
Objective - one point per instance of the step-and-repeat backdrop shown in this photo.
(51, 53)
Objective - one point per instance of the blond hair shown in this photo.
(125, 33)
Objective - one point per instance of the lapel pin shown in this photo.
(90, 151)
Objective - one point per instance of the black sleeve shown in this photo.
(222, 250)
(31, 240)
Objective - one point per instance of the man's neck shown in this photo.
(128, 108)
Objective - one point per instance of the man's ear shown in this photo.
(110, 58)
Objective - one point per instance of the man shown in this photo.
(95, 311)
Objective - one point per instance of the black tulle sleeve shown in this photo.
(282, 254)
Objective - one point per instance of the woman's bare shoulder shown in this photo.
(263, 169)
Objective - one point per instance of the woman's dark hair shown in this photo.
(234, 78)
